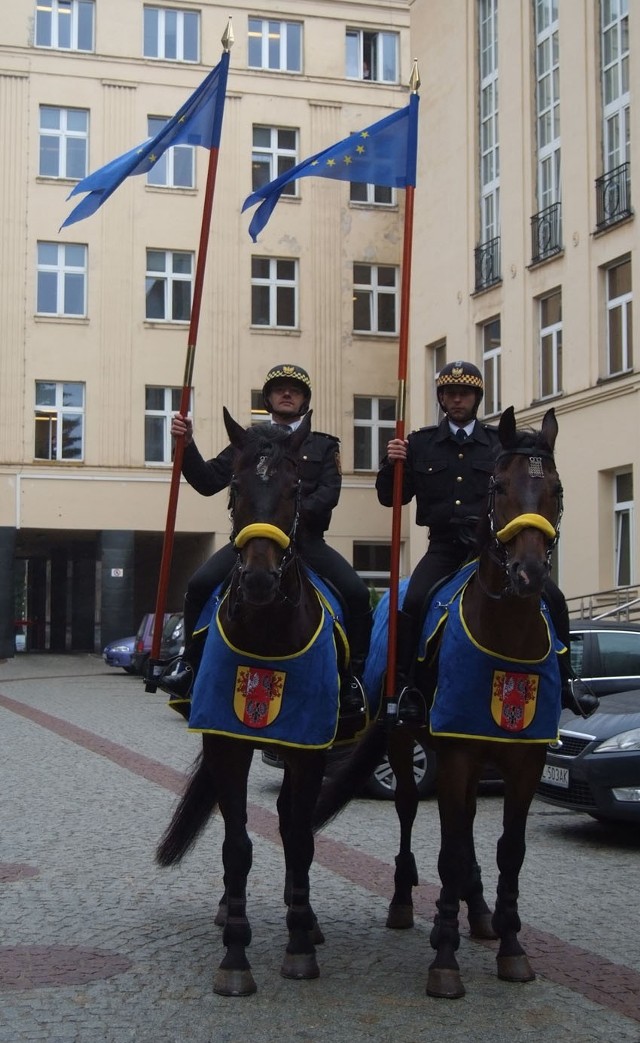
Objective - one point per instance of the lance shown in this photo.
(155, 667)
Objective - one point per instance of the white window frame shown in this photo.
(64, 137)
(276, 283)
(171, 405)
(163, 172)
(65, 272)
(56, 414)
(159, 50)
(489, 126)
(169, 279)
(491, 368)
(379, 579)
(279, 158)
(376, 426)
(372, 194)
(259, 412)
(437, 355)
(372, 55)
(614, 50)
(622, 304)
(623, 533)
(268, 29)
(548, 102)
(63, 9)
(552, 333)
(374, 291)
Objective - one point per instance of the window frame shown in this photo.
(277, 156)
(260, 27)
(172, 396)
(623, 541)
(370, 47)
(63, 135)
(488, 115)
(278, 286)
(169, 279)
(491, 368)
(373, 577)
(375, 292)
(623, 304)
(75, 7)
(376, 425)
(615, 90)
(552, 330)
(59, 413)
(371, 191)
(64, 273)
(162, 33)
(166, 164)
(547, 100)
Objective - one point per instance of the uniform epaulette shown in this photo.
(430, 427)
(323, 434)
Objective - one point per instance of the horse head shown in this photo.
(525, 504)
(264, 503)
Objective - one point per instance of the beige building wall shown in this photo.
(114, 350)
(597, 415)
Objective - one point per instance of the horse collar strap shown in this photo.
(262, 530)
(526, 521)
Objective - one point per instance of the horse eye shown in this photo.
(499, 487)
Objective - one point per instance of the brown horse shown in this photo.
(271, 611)
(498, 611)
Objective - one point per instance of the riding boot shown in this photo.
(411, 705)
(179, 683)
(353, 699)
(575, 694)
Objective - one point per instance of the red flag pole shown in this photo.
(398, 467)
(185, 399)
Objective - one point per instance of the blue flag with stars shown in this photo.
(382, 154)
(198, 122)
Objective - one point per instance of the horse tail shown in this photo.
(351, 776)
(196, 806)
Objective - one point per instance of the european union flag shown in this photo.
(382, 154)
(198, 122)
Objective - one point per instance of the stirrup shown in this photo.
(581, 700)
(412, 708)
(177, 682)
(352, 701)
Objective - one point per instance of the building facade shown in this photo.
(95, 316)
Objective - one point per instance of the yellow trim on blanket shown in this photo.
(262, 530)
(526, 521)
(488, 738)
(270, 658)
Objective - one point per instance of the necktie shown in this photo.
(461, 435)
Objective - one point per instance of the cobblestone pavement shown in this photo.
(99, 945)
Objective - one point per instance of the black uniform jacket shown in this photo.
(449, 480)
(319, 470)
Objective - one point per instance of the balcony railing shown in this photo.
(613, 196)
(546, 233)
(487, 258)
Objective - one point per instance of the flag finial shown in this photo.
(414, 79)
(228, 39)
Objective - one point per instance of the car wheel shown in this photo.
(382, 782)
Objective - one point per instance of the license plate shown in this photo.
(555, 776)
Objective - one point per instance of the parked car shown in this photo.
(144, 639)
(606, 655)
(595, 766)
(120, 653)
(172, 643)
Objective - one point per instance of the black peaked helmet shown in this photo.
(292, 373)
(461, 374)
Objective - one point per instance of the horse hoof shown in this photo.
(444, 984)
(221, 916)
(301, 966)
(234, 983)
(515, 968)
(316, 937)
(400, 917)
(480, 927)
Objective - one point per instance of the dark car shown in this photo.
(595, 767)
(120, 652)
(172, 643)
(606, 655)
(144, 639)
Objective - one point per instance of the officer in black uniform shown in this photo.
(447, 468)
(286, 394)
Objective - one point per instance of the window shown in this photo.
(375, 298)
(551, 345)
(374, 421)
(372, 562)
(373, 195)
(614, 34)
(65, 24)
(623, 528)
(59, 421)
(172, 35)
(275, 45)
(619, 320)
(168, 286)
(437, 354)
(62, 279)
(619, 653)
(491, 354)
(259, 414)
(159, 406)
(274, 292)
(547, 102)
(275, 151)
(489, 142)
(64, 135)
(175, 168)
(372, 56)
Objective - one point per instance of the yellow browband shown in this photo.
(264, 530)
(526, 521)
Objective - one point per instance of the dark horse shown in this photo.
(500, 610)
(271, 611)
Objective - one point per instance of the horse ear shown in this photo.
(507, 428)
(301, 432)
(550, 428)
(237, 434)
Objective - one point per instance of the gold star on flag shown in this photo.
(348, 160)
(360, 149)
(364, 134)
(152, 158)
(331, 162)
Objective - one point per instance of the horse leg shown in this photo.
(306, 770)
(478, 912)
(283, 805)
(520, 785)
(231, 760)
(400, 749)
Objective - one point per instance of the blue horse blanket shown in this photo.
(290, 700)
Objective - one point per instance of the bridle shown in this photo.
(501, 537)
